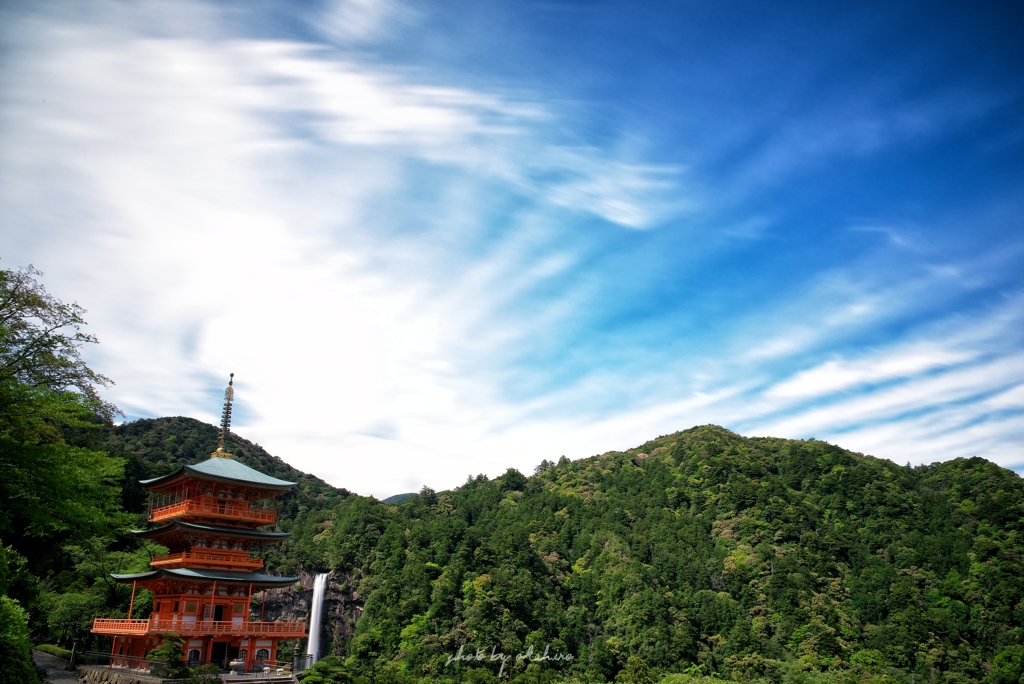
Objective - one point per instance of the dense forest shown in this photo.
(699, 556)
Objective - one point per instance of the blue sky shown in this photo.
(441, 238)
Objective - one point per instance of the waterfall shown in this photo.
(315, 617)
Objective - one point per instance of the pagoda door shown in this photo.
(220, 650)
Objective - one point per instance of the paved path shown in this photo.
(54, 667)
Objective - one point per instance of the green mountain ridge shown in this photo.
(701, 552)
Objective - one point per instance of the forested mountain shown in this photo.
(154, 447)
(702, 551)
(701, 554)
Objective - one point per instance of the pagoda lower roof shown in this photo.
(222, 576)
(220, 469)
(180, 526)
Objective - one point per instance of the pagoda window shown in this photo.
(193, 655)
(262, 654)
(190, 606)
(175, 606)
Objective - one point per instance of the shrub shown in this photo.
(15, 645)
(55, 651)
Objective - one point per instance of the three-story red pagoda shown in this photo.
(209, 516)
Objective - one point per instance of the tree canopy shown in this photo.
(696, 557)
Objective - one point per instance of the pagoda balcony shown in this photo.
(120, 627)
(216, 559)
(212, 507)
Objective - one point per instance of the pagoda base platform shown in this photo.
(99, 674)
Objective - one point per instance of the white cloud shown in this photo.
(323, 228)
(841, 374)
(361, 21)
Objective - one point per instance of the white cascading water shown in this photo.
(315, 616)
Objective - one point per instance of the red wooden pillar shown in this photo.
(131, 604)
(249, 650)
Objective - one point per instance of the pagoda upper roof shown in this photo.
(177, 526)
(222, 576)
(222, 470)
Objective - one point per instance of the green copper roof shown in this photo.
(245, 533)
(225, 469)
(256, 578)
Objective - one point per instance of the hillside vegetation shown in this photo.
(697, 556)
(699, 552)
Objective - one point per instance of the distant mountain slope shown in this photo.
(399, 498)
(154, 447)
(747, 557)
(702, 552)
(166, 443)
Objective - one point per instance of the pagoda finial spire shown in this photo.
(225, 418)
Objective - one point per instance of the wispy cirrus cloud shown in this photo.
(415, 278)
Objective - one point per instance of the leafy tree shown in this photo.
(204, 674)
(53, 486)
(170, 654)
(329, 670)
(635, 672)
(70, 615)
(40, 340)
(701, 553)
(15, 645)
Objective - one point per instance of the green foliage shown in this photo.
(170, 649)
(70, 615)
(702, 553)
(700, 556)
(168, 657)
(54, 487)
(1008, 666)
(15, 644)
(329, 670)
(151, 448)
(204, 674)
(55, 651)
(635, 672)
(15, 579)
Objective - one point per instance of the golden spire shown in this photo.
(225, 419)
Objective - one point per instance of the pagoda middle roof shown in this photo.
(223, 576)
(223, 470)
(213, 530)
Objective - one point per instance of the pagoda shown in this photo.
(209, 516)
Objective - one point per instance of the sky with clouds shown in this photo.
(442, 238)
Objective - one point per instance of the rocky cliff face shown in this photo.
(342, 607)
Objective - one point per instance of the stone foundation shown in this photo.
(96, 674)
(104, 675)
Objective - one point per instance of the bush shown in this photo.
(204, 674)
(18, 667)
(55, 651)
(329, 670)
